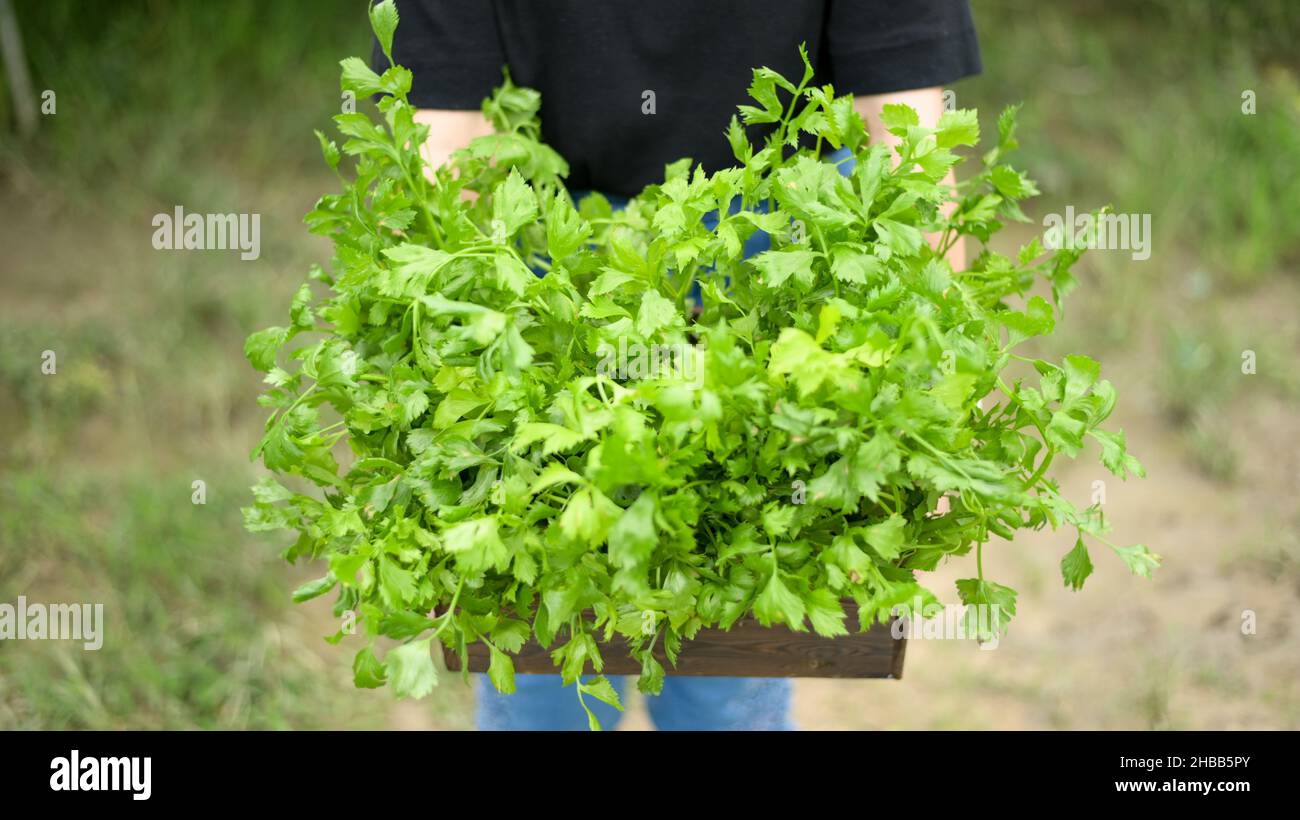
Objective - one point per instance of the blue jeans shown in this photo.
(542, 702)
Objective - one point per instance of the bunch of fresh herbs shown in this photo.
(785, 452)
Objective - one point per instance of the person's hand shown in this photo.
(928, 103)
(449, 131)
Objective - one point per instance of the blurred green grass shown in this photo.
(212, 106)
(168, 99)
(1143, 104)
(194, 637)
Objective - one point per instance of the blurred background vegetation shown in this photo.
(212, 106)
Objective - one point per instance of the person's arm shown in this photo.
(928, 103)
(879, 49)
(449, 131)
(453, 50)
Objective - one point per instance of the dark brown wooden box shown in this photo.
(748, 649)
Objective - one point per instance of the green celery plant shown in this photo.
(504, 485)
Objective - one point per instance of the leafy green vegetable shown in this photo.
(503, 482)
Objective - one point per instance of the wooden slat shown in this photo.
(748, 649)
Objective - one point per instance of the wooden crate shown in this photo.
(748, 649)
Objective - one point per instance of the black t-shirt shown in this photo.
(594, 60)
